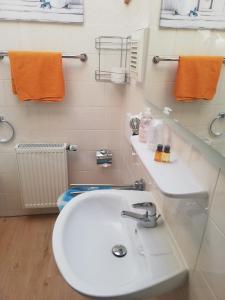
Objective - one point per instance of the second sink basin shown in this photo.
(87, 230)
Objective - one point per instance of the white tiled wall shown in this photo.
(160, 78)
(90, 116)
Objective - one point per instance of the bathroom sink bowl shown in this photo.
(85, 233)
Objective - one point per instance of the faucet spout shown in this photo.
(149, 219)
(133, 215)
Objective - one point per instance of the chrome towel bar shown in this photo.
(82, 57)
(158, 59)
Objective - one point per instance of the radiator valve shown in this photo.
(71, 147)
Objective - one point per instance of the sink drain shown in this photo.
(119, 251)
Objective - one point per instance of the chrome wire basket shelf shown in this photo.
(113, 49)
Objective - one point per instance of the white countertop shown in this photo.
(173, 179)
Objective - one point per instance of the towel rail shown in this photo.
(82, 57)
(220, 116)
(158, 59)
(10, 126)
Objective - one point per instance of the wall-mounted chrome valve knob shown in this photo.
(104, 157)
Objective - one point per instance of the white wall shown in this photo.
(90, 116)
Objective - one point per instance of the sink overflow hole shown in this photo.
(119, 251)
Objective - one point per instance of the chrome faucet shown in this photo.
(149, 219)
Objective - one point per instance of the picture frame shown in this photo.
(193, 14)
(59, 11)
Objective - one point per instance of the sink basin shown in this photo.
(90, 226)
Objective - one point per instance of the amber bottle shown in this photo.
(158, 153)
(166, 154)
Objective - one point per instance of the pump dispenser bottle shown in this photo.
(159, 132)
(166, 130)
(144, 125)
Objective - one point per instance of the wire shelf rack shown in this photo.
(116, 46)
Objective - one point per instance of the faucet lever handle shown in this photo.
(144, 205)
(148, 206)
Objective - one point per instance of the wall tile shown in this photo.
(102, 176)
(8, 163)
(202, 41)
(95, 139)
(5, 69)
(38, 37)
(11, 39)
(184, 46)
(47, 135)
(10, 201)
(9, 182)
(84, 160)
(162, 72)
(198, 288)
(77, 118)
(218, 205)
(134, 99)
(2, 93)
(132, 16)
(180, 146)
(76, 71)
(84, 94)
(217, 43)
(161, 41)
(204, 172)
(187, 220)
(161, 94)
(211, 261)
(9, 99)
(114, 94)
(113, 118)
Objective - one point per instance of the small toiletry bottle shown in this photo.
(166, 129)
(144, 125)
(166, 154)
(158, 153)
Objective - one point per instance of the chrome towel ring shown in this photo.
(221, 115)
(9, 125)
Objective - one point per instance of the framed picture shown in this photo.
(205, 14)
(65, 11)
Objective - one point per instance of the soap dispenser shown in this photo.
(146, 118)
(166, 130)
(155, 134)
(159, 132)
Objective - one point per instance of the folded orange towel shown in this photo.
(197, 77)
(37, 75)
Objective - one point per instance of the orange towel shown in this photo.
(197, 77)
(37, 75)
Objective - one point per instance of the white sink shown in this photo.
(85, 233)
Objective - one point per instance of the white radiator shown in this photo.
(43, 173)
